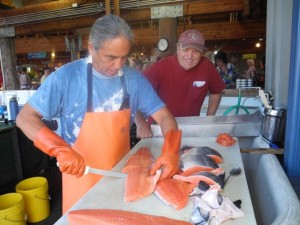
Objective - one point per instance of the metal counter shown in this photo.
(108, 192)
(211, 126)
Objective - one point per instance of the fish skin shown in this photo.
(226, 212)
(212, 205)
(213, 154)
(204, 176)
(200, 213)
(207, 151)
(117, 217)
(211, 196)
(187, 161)
(174, 192)
(193, 170)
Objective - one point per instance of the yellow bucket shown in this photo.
(12, 209)
(36, 198)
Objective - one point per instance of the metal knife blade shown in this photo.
(108, 173)
(104, 172)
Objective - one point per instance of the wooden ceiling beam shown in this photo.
(211, 31)
(43, 7)
(134, 15)
(189, 8)
(58, 25)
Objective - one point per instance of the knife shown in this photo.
(108, 173)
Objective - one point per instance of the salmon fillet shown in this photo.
(174, 192)
(118, 217)
(139, 183)
(141, 158)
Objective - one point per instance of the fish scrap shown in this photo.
(207, 151)
(201, 164)
(192, 161)
(225, 139)
(199, 158)
(205, 176)
(212, 208)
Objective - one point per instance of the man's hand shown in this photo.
(169, 158)
(143, 129)
(69, 160)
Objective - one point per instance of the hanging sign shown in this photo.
(249, 56)
(36, 55)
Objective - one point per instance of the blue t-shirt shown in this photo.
(64, 95)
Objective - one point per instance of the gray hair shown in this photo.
(109, 27)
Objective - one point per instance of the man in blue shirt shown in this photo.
(96, 99)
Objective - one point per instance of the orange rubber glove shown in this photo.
(169, 158)
(69, 160)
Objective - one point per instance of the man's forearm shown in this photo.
(139, 118)
(165, 120)
(213, 104)
(143, 129)
(29, 121)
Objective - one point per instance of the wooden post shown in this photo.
(74, 47)
(168, 30)
(107, 7)
(116, 8)
(9, 64)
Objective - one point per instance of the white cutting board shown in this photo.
(108, 192)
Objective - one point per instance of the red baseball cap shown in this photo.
(192, 39)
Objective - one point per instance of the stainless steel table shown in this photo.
(108, 192)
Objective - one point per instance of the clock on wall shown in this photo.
(163, 44)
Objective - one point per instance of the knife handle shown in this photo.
(86, 171)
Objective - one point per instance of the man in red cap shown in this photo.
(183, 80)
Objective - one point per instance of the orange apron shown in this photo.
(103, 141)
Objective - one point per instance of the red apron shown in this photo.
(103, 141)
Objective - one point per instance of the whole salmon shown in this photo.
(118, 217)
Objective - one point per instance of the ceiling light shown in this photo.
(257, 45)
